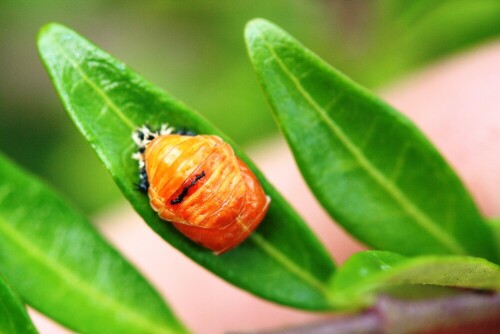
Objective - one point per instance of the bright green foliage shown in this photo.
(61, 266)
(13, 315)
(364, 274)
(368, 165)
(282, 261)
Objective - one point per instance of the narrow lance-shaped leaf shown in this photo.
(374, 172)
(365, 274)
(282, 261)
(61, 266)
(13, 315)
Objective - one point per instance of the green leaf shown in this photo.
(282, 261)
(494, 224)
(61, 266)
(365, 274)
(13, 315)
(372, 169)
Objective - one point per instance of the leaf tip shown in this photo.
(256, 27)
(48, 31)
(256, 23)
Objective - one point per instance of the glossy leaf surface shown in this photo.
(373, 170)
(13, 315)
(364, 274)
(61, 266)
(282, 261)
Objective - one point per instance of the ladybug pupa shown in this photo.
(197, 183)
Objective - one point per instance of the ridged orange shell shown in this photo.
(209, 195)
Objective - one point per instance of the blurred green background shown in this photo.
(195, 50)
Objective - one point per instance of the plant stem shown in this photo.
(468, 312)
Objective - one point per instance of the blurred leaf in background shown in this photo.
(195, 50)
(409, 34)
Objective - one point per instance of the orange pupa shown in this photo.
(197, 183)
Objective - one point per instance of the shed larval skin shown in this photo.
(198, 184)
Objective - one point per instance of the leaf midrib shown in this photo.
(260, 242)
(85, 289)
(107, 101)
(290, 265)
(412, 211)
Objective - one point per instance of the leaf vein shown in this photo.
(288, 264)
(106, 99)
(399, 164)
